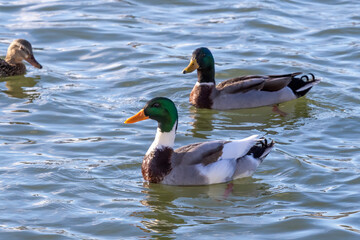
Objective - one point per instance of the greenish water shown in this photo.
(70, 168)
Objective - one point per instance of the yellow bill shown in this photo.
(193, 65)
(140, 116)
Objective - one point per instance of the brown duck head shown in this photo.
(19, 50)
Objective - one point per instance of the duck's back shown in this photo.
(7, 70)
(3, 68)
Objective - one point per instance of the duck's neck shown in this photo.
(11, 60)
(157, 161)
(206, 75)
(163, 139)
(15, 67)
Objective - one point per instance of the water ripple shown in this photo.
(71, 169)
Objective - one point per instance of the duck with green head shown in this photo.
(199, 163)
(12, 65)
(242, 92)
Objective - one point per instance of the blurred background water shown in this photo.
(70, 168)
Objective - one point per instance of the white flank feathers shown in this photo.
(163, 139)
(219, 171)
(238, 148)
(223, 169)
(253, 98)
(252, 164)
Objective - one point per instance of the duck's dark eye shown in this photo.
(156, 105)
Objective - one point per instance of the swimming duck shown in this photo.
(242, 92)
(12, 65)
(199, 163)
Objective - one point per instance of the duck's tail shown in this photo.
(301, 85)
(261, 149)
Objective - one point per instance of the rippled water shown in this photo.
(70, 168)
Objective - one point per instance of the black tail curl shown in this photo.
(306, 78)
(260, 148)
(300, 82)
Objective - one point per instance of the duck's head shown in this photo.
(19, 50)
(161, 109)
(202, 59)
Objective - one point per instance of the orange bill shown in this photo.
(31, 59)
(140, 116)
(193, 65)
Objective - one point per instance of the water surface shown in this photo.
(70, 168)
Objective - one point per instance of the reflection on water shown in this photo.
(17, 87)
(261, 119)
(159, 200)
(202, 122)
(162, 201)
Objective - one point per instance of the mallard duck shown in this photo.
(242, 92)
(12, 65)
(199, 163)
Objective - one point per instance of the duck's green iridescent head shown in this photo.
(161, 109)
(202, 59)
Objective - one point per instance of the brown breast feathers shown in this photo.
(157, 165)
(200, 95)
(7, 70)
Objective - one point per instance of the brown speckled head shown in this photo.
(21, 49)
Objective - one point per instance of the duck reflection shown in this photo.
(262, 119)
(159, 220)
(202, 122)
(171, 207)
(16, 87)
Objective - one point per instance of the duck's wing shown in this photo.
(244, 84)
(276, 82)
(219, 161)
(241, 84)
(196, 153)
(210, 152)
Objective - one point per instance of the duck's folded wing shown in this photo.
(276, 82)
(196, 153)
(210, 152)
(212, 162)
(241, 84)
(244, 84)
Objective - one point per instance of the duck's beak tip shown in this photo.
(33, 62)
